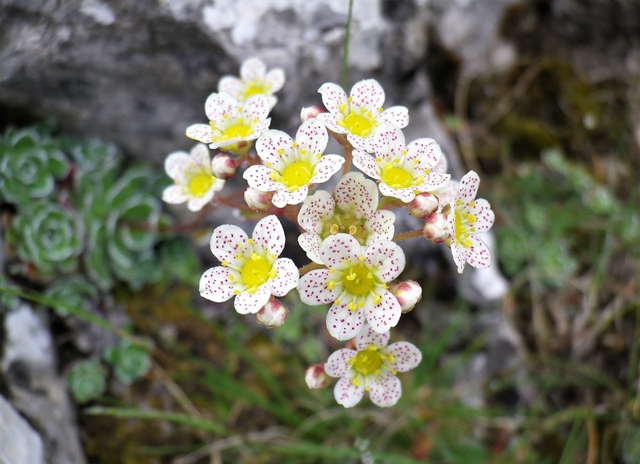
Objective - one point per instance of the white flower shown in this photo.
(403, 171)
(250, 270)
(254, 80)
(371, 367)
(355, 282)
(232, 124)
(351, 209)
(361, 113)
(468, 217)
(289, 167)
(193, 181)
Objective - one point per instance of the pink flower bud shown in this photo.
(272, 315)
(316, 377)
(436, 228)
(408, 293)
(423, 205)
(257, 199)
(223, 166)
(310, 112)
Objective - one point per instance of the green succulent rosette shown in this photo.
(30, 163)
(48, 236)
(74, 291)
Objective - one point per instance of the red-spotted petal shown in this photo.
(368, 337)
(366, 163)
(396, 115)
(347, 394)
(174, 194)
(468, 187)
(338, 363)
(276, 147)
(229, 241)
(387, 258)
(268, 237)
(388, 143)
(333, 97)
(275, 78)
(218, 105)
(425, 151)
(483, 214)
(313, 288)
(315, 209)
(327, 166)
(284, 197)
(310, 243)
(405, 356)
(256, 108)
(406, 195)
(253, 69)
(330, 122)
(215, 284)
(287, 277)
(360, 143)
(384, 315)
(340, 251)
(312, 138)
(368, 96)
(357, 194)
(251, 303)
(200, 156)
(342, 323)
(478, 254)
(231, 85)
(178, 165)
(385, 390)
(433, 181)
(200, 132)
(380, 226)
(259, 178)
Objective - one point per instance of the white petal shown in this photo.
(215, 284)
(468, 187)
(174, 194)
(459, 255)
(287, 277)
(367, 95)
(366, 163)
(179, 165)
(380, 226)
(433, 181)
(330, 122)
(200, 156)
(312, 136)
(327, 166)
(478, 254)
(220, 104)
(388, 142)
(315, 209)
(385, 390)
(268, 237)
(406, 356)
(275, 78)
(360, 143)
(338, 363)
(251, 303)
(333, 97)
(256, 108)
(446, 194)
(284, 197)
(367, 336)
(426, 151)
(356, 194)
(231, 85)
(384, 315)
(253, 69)
(270, 144)
(342, 323)
(406, 195)
(340, 250)
(442, 165)
(259, 178)
(347, 394)
(227, 242)
(387, 258)
(484, 216)
(396, 115)
(310, 243)
(197, 203)
(200, 132)
(313, 288)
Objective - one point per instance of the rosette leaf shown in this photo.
(74, 291)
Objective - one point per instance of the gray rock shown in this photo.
(19, 443)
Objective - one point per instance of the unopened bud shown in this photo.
(310, 112)
(223, 166)
(423, 205)
(257, 199)
(436, 228)
(316, 377)
(408, 293)
(272, 315)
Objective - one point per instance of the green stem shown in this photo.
(345, 54)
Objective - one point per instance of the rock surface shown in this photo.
(19, 443)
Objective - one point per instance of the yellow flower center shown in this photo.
(200, 184)
(395, 177)
(463, 223)
(256, 88)
(255, 271)
(368, 361)
(236, 131)
(296, 175)
(358, 280)
(358, 125)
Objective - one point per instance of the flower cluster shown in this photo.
(348, 233)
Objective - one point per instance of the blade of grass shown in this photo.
(574, 442)
(345, 54)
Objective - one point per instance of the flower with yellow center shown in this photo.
(355, 280)
(232, 124)
(371, 367)
(351, 209)
(360, 114)
(254, 80)
(251, 270)
(288, 167)
(468, 217)
(403, 171)
(193, 181)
